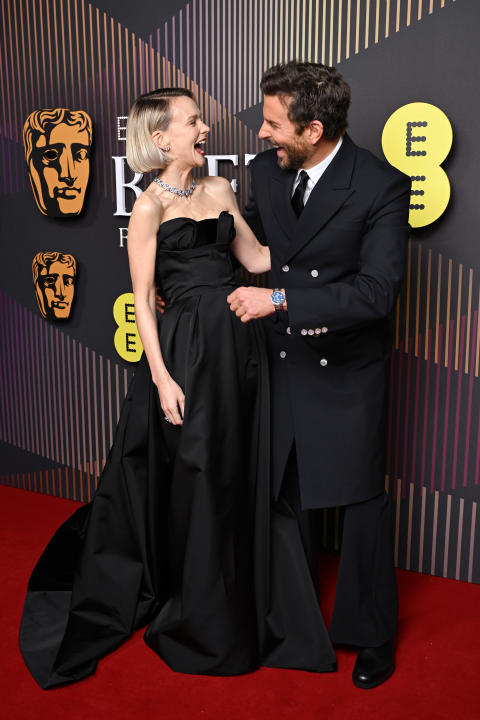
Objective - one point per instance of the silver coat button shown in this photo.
(324, 329)
(323, 362)
(318, 331)
(289, 330)
(311, 331)
(314, 273)
(285, 268)
(303, 331)
(283, 354)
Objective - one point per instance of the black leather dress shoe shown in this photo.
(374, 665)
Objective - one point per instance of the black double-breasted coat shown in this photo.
(341, 263)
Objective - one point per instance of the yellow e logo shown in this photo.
(416, 139)
(127, 340)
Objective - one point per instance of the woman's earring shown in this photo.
(167, 148)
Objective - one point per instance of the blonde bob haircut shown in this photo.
(148, 113)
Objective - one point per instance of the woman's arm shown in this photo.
(142, 246)
(254, 257)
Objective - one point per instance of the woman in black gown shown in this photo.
(181, 535)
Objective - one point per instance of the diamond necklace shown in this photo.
(177, 191)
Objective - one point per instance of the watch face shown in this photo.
(277, 297)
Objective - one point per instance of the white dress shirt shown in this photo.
(315, 173)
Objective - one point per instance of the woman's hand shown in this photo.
(172, 400)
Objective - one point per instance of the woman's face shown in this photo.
(186, 133)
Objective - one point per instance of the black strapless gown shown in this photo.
(181, 536)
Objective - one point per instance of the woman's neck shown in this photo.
(180, 178)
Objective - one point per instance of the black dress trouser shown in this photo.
(366, 602)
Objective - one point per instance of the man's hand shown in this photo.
(249, 303)
(159, 301)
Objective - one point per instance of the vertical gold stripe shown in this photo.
(120, 53)
(437, 319)
(409, 11)
(27, 14)
(27, 85)
(459, 304)
(69, 24)
(397, 23)
(469, 319)
(44, 75)
(409, 526)
(339, 34)
(367, 22)
(304, 33)
(3, 65)
(377, 20)
(275, 35)
(387, 19)
(419, 16)
(446, 546)
(430, 10)
(434, 534)
(422, 530)
(407, 308)
(330, 48)
(292, 25)
(459, 539)
(310, 30)
(56, 43)
(62, 43)
(9, 45)
(50, 69)
(92, 78)
(133, 52)
(397, 518)
(427, 314)
(317, 23)
(417, 312)
(347, 38)
(324, 22)
(447, 320)
(357, 27)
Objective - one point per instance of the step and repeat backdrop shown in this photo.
(70, 70)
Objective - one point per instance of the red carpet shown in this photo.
(438, 654)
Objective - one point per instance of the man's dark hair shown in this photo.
(318, 92)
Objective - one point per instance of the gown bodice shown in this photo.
(193, 256)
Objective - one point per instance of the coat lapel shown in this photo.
(280, 189)
(327, 197)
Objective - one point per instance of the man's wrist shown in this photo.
(278, 299)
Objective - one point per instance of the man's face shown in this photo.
(57, 286)
(59, 168)
(292, 149)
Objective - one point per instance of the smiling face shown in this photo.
(185, 135)
(293, 150)
(59, 169)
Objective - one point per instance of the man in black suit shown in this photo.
(336, 221)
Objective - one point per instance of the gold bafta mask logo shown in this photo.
(54, 275)
(57, 152)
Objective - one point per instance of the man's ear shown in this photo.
(315, 131)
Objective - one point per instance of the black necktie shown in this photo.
(297, 198)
